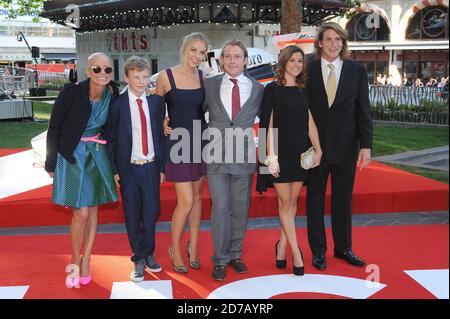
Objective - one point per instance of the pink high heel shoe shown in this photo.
(84, 281)
(73, 276)
(72, 282)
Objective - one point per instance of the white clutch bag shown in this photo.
(307, 158)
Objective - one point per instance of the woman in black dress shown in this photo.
(290, 131)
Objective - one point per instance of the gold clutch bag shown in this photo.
(307, 158)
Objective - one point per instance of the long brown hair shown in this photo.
(339, 30)
(283, 59)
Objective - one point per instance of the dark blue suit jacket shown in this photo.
(119, 136)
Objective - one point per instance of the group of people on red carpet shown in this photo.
(99, 141)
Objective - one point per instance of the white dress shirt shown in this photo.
(326, 70)
(226, 90)
(136, 151)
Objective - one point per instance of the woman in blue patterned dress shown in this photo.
(182, 86)
(78, 161)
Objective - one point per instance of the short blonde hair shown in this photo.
(235, 43)
(136, 63)
(339, 30)
(188, 40)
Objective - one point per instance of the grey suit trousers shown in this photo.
(230, 195)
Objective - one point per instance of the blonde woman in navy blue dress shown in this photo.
(78, 161)
(182, 86)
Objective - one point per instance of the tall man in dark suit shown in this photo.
(339, 102)
(134, 132)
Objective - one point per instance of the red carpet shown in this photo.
(378, 189)
(9, 151)
(39, 262)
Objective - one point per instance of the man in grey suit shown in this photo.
(233, 101)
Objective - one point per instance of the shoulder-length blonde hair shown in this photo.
(188, 40)
(283, 59)
(339, 30)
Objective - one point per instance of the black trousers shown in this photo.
(342, 181)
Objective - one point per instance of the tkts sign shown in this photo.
(128, 41)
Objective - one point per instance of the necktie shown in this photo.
(143, 128)
(331, 85)
(235, 99)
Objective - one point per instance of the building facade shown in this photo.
(56, 42)
(400, 41)
(161, 45)
(155, 29)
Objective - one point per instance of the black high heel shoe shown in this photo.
(193, 264)
(182, 268)
(298, 271)
(280, 264)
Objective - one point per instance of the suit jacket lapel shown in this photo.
(318, 83)
(342, 78)
(318, 69)
(85, 90)
(153, 116)
(127, 113)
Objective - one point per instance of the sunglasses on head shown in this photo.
(97, 69)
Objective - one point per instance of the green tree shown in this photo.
(23, 7)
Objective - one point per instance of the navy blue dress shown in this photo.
(184, 146)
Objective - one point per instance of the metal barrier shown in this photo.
(405, 95)
(18, 81)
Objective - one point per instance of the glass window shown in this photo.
(370, 66)
(438, 70)
(382, 68)
(425, 71)
(409, 72)
(34, 31)
(3, 30)
(429, 23)
(13, 30)
(429, 70)
(368, 27)
(65, 32)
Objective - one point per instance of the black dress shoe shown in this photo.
(319, 262)
(238, 266)
(350, 257)
(280, 264)
(219, 273)
(298, 271)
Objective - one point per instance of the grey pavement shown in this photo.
(380, 219)
(432, 158)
